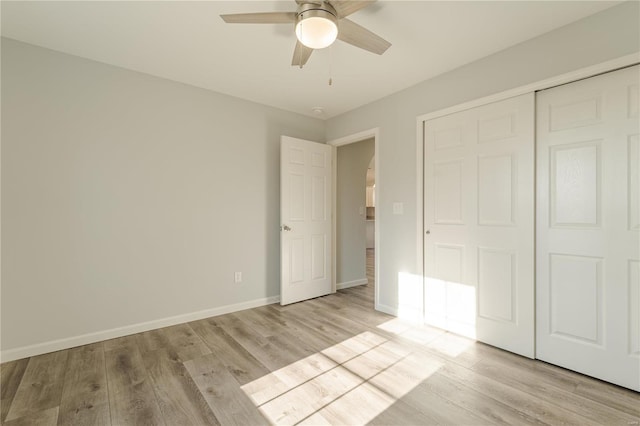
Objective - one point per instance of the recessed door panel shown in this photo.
(494, 128)
(575, 184)
(318, 257)
(319, 198)
(496, 275)
(319, 159)
(448, 193)
(576, 297)
(296, 185)
(448, 138)
(296, 255)
(575, 113)
(496, 185)
(449, 262)
(296, 156)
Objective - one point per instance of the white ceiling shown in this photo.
(188, 42)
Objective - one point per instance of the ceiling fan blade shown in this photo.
(260, 18)
(301, 54)
(354, 34)
(347, 7)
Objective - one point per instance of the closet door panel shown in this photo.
(479, 191)
(588, 244)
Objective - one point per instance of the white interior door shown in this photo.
(305, 212)
(479, 205)
(588, 227)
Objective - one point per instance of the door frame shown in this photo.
(579, 74)
(346, 140)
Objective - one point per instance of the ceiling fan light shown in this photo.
(316, 30)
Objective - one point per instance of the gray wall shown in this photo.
(601, 37)
(128, 198)
(353, 161)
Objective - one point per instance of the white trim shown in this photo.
(420, 207)
(354, 283)
(357, 137)
(410, 316)
(569, 77)
(387, 309)
(85, 339)
(334, 218)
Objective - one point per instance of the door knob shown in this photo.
(428, 232)
(285, 228)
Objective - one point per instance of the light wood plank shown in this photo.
(181, 403)
(256, 320)
(366, 404)
(180, 338)
(85, 399)
(48, 417)
(131, 397)
(41, 385)
(11, 374)
(151, 340)
(400, 413)
(273, 352)
(530, 405)
(621, 399)
(302, 401)
(491, 410)
(220, 389)
(545, 388)
(240, 363)
(403, 381)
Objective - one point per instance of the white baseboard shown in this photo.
(410, 314)
(85, 339)
(353, 283)
(386, 309)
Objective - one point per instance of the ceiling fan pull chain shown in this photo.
(331, 65)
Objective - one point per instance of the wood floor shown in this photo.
(331, 360)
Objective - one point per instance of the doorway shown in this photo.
(370, 221)
(356, 230)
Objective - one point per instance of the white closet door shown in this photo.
(588, 227)
(479, 249)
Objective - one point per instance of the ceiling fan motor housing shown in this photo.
(320, 6)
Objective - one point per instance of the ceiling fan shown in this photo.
(317, 25)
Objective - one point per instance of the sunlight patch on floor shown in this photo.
(416, 333)
(351, 382)
(451, 344)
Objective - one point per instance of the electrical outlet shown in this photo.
(237, 277)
